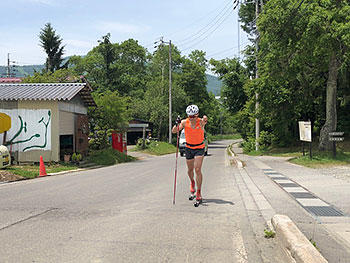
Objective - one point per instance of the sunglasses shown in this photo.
(193, 116)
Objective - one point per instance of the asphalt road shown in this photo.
(124, 213)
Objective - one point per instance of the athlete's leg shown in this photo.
(190, 167)
(198, 160)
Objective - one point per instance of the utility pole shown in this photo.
(170, 86)
(257, 121)
(8, 65)
(238, 32)
(162, 42)
(8, 70)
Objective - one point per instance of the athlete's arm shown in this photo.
(204, 121)
(181, 126)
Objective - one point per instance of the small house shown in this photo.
(47, 119)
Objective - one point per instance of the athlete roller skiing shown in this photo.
(194, 151)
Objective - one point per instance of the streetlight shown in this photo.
(162, 42)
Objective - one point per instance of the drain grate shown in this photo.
(302, 195)
(323, 211)
(288, 184)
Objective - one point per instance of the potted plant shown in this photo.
(66, 156)
(76, 158)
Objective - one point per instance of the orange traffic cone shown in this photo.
(42, 170)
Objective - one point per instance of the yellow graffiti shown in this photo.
(5, 122)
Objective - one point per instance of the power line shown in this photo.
(200, 19)
(226, 50)
(207, 27)
(210, 33)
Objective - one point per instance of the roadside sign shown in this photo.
(336, 139)
(305, 131)
(5, 122)
(336, 133)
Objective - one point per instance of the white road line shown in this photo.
(295, 190)
(284, 181)
(311, 202)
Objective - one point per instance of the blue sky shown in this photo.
(207, 25)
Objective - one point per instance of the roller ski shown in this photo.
(198, 199)
(193, 191)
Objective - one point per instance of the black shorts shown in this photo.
(191, 153)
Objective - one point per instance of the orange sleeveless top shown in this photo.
(194, 137)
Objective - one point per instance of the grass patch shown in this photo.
(323, 159)
(109, 156)
(157, 148)
(319, 159)
(269, 233)
(32, 171)
(314, 244)
(219, 137)
(256, 153)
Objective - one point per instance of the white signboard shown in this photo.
(305, 131)
(30, 130)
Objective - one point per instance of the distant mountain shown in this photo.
(21, 71)
(214, 85)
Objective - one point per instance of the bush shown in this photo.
(139, 143)
(266, 139)
(109, 156)
(249, 145)
(157, 148)
(76, 157)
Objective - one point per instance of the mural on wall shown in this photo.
(30, 130)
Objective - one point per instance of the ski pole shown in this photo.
(177, 150)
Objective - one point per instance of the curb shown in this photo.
(293, 242)
(237, 161)
(52, 174)
(76, 170)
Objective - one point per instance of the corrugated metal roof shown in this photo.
(46, 91)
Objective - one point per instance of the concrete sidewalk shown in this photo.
(139, 155)
(323, 193)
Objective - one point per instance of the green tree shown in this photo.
(114, 66)
(302, 49)
(107, 51)
(111, 113)
(52, 44)
(130, 67)
(193, 78)
(233, 75)
(59, 76)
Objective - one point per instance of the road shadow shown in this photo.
(217, 201)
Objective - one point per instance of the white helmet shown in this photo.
(192, 110)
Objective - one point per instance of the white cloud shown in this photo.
(121, 28)
(78, 47)
(78, 43)
(45, 2)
